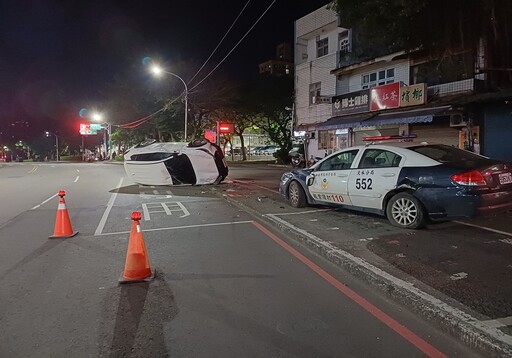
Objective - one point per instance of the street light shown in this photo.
(56, 143)
(98, 117)
(158, 71)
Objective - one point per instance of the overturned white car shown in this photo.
(197, 162)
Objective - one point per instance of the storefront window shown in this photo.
(326, 139)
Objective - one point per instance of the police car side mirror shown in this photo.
(310, 179)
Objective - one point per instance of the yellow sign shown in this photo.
(413, 95)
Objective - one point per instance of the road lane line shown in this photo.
(111, 201)
(466, 321)
(396, 326)
(484, 228)
(177, 227)
(77, 177)
(44, 202)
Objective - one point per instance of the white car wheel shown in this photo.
(405, 211)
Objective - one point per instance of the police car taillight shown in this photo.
(472, 178)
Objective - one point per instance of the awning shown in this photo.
(342, 122)
(422, 115)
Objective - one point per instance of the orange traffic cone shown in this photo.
(136, 268)
(63, 227)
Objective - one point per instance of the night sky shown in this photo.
(56, 56)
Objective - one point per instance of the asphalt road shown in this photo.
(227, 285)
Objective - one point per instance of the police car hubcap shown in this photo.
(404, 211)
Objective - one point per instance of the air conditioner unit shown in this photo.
(457, 120)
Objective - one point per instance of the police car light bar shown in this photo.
(388, 137)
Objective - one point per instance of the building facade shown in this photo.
(400, 96)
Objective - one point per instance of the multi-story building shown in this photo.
(345, 99)
(282, 65)
(317, 41)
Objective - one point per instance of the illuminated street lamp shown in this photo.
(98, 117)
(158, 71)
(56, 143)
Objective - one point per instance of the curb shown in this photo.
(458, 323)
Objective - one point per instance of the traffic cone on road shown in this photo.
(136, 268)
(63, 227)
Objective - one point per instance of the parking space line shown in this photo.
(256, 185)
(500, 322)
(484, 228)
(77, 177)
(111, 201)
(302, 212)
(177, 227)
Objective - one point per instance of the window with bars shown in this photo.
(377, 78)
(322, 47)
(344, 43)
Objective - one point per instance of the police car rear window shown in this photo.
(446, 154)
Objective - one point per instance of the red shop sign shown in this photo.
(385, 97)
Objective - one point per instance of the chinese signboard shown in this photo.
(385, 97)
(413, 95)
(353, 102)
(85, 129)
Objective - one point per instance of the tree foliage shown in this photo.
(436, 26)
(266, 104)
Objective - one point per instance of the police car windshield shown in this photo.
(446, 154)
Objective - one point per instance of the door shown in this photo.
(330, 179)
(376, 174)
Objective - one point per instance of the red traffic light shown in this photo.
(226, 128)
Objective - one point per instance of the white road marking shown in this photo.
(301, 212)
(77, 177)
(44, 202)
(506, 241)
(484, 228)
(111, 201)
(78, 170)
(177, 227)
(149, 208)
(459, 276)
(500, 322)
(434, 303)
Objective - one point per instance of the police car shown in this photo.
(408, 183)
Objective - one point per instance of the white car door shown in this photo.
(376, 174)
(329, 181)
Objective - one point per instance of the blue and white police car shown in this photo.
(408, 183)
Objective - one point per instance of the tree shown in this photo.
(437, 27)
(265, 103)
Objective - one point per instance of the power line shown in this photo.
(233, 49)
(220, 42)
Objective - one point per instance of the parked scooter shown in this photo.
(298, 161)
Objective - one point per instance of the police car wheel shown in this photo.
(405, 211)
(296, 195)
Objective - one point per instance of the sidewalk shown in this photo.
(455, 275)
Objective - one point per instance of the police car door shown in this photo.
(329, 182)
(376, 174)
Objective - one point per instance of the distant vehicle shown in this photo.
(256, 150)
(269, 149)
(197, 162)
(409, 185)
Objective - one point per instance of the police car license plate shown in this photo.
(505, 178)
